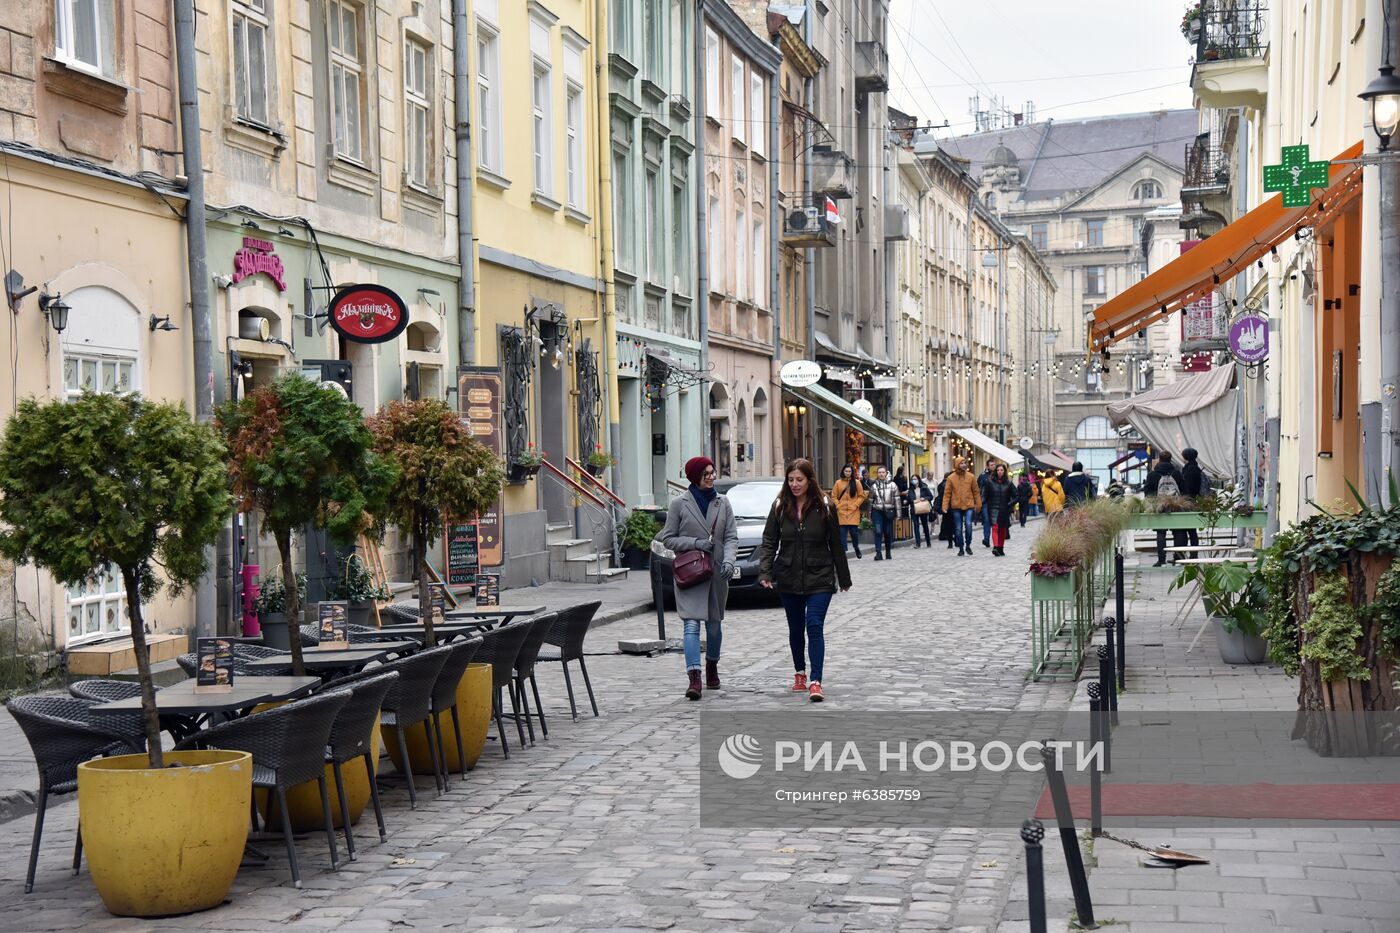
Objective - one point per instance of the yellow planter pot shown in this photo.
(164, 842)
(474, 712)
(304, 800)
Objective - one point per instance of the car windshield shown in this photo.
(752, 500)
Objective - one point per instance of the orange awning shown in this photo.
(1193, 274)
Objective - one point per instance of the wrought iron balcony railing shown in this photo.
(1207, 166)
(1232, 29)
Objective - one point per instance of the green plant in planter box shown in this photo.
(355, 584)
(638, 530)
(272, 594)
(1333, 630)
(1233, 593)
(1385, 610)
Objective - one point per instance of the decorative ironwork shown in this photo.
(1232, 29)
(590, 398)
(665, 377)
(1206, 165)
(517, 368)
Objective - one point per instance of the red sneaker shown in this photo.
(814, 692)
(799, 682)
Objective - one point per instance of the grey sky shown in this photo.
(1073, 58)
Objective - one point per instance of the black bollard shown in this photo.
(1107, 682)
(1074, 859)
(1109, 638)
(658, 595)
(1121, 618)
(1032, 832)
(1096, 733)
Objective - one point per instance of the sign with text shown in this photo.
(799, 373)
(479, 403)
(462, 559)
(214, 673)
(437, 602)
(333, 628)
(1249, 338)
(368, 313)
(257, 256)
(488, 589)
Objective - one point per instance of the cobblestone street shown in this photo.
(597, 828)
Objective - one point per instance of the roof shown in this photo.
(1061, 156)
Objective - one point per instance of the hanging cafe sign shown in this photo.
(1249, 338)
(368, 314)
(1296, 176)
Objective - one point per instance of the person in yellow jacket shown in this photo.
(1052, 493)
(848, 494)
(961, 498)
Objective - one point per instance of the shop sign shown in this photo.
(258, 256)
(800, 373)
(864, 407)
(1249, 338)
(368, 313)
(479, 407)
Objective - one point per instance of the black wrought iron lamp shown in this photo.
(55, 309)
(1382, 95)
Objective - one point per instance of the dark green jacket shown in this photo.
(803, 558)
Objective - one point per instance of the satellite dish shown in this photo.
(1025, 443)
(331, 384)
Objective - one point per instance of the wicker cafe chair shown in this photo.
(444, 700)
(409, 702)
(359, 634)
(499, 648)
(109, 691)
(288, 745)
(570, 629)
(540, 628)
(62, 735)
(242, 654)
(189, 663)
(353, 736)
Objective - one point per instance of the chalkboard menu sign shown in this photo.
(437, 602)
(215, 671)
(334, 625)
(463, 558)
(488, 589)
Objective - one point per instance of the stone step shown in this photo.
(555, 532)
(612, 574)
(570, 548)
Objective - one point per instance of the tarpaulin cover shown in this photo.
(1200, 411)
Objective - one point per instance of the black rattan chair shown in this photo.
(445, 700)
(540, 628)
(409, 702)
(353, 736)
(108, 691)
(570, 629)
(189, 663)
(288, 745)
(499, 648)
(359, 634)
(244, 653)
(62, 735)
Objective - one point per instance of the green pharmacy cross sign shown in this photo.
(1296, 177)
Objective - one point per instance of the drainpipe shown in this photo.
(1381, 408)
(702, 285)
(466, 252)
(207, 383)
(775, 216)
(605, 236)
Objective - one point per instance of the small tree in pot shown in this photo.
(300, 454)
(442, 472)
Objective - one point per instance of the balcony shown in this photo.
(872, 65)
(1205, 186)
(897, 226)
(833, 172)
(807, 228)
(1232, 54)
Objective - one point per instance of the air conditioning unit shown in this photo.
(1078, 244)
(807, 226)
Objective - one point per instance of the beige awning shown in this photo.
(845, 412)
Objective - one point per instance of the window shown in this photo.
(1095, 428)
(84, 33)
(712, 90)
(990, 200)
(712, 234)
(621, 15)
(760, 288)
(737, 114)
(622, 207)
(573, 133)
(543, 142)
(741, 250)
(652, 11)
(488, 98)
(756, 128)
(250, 60)
(680, 241)
(346, 69)
(654, 220)
(678, 81)
(1093, 379)
(417, 123)
(1040, 239)
(1094, 283)
(1147, 190)
(1093, 232)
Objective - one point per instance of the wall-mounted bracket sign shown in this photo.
(1249, 338)
(368, 313)
(799, 373)
(1296, 176)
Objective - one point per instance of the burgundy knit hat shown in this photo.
(695, 468)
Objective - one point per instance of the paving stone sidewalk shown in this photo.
(1339, 878)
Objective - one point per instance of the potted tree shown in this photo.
(636, 534)
(355, 585)
(271, 607)
(120, 481)
(300, 454)
(1234, 596)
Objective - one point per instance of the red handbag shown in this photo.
(692, 568)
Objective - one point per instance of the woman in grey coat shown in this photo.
(702, 520)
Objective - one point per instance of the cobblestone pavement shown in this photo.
(597, 828)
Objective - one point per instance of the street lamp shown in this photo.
(1383, 96)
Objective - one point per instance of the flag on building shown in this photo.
(832, 216)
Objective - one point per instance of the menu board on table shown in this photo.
(334, 625)
(479, 406)
(488, 589)
(462, 558)
(214, 673)
(437, 602)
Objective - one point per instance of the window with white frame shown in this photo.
(654, 225)
(759, 263)
(543, 131)
(652, 11)
(250, 83)
(622, 207)
(678, 76)
(84, 35)
(488, 97)
(417, 112)
(737, 114)
(347, 70)
(741, 256)
(712, 75)
(714, 224)
(680, 241)
(756, 127)
(573, 132)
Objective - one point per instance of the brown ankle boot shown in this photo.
(692, 692)
(711, 675)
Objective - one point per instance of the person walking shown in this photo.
(884, 510)
(849, 494)
(945, 527)
(982, 479)
(1035, 495)
(1165, 480)
(801, 558)
(1052, 494)
(1194, 484)
(1000, 501)
(702, 520)
(901, 482)
(961, 497)
(1079, 486)
(921, 508)
(1024, 491)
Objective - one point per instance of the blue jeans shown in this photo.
(884, 530)
(806, 614)
(714, 636)
(986, 526)
(962, 528)
(850, 533)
